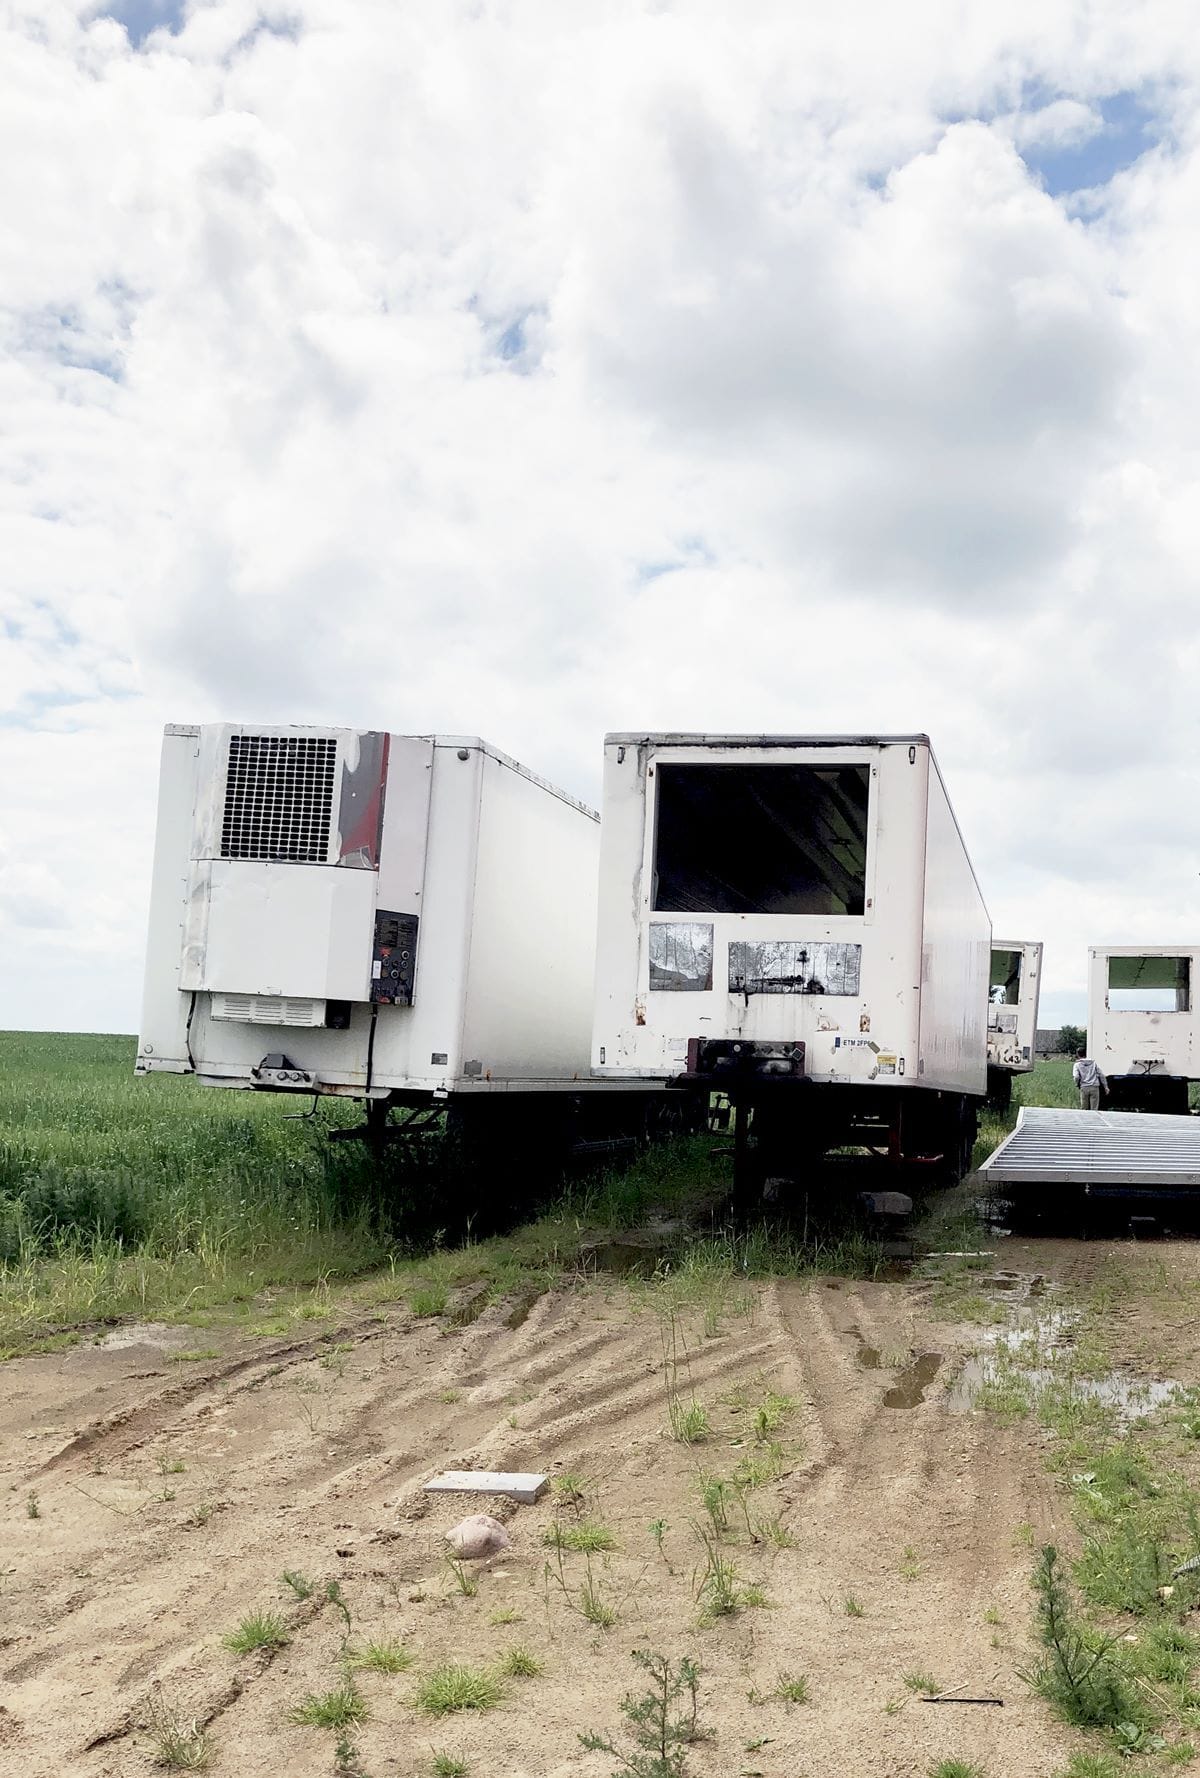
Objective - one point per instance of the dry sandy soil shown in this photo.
(310, 1454)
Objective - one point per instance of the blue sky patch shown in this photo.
(512, 341)
(1131, 126)
(140, 17)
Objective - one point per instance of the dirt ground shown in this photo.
(309, 1454)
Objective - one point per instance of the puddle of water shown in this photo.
(1035, 1340)
(908, 1391)
(626, 1258)
(469, 1309)
(1133, 1398)
(518, 1315)
(1024, 1284)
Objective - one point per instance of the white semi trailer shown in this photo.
(1012, 1015)
(401, 919)
(795, 921)
(1142, 1023)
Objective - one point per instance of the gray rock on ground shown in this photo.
(477, 1537)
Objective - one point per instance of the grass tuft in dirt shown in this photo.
(716, 1583)
(300, 1585)
(792, 1688)
(456, 1687)
(430, 1300)
(853, 1607)
(462, 1577)
(956, 1768)
(382, 1656)
(690, 1423)
(662, 1722)
(332, 1710)
(33, 1505)
(921, 1682)
(447, 1765)
(1092, 1765)
(180, 1743)
(520, 1663)
(587, 1535)
(259, 1629)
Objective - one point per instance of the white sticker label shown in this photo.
(376, 970)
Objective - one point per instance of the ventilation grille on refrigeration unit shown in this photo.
(279, 798)
(268, 1009)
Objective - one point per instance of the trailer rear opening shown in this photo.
(795, 920)
(1142, 1024)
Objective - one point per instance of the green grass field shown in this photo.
(121, 1196)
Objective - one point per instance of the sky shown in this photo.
(510, 368)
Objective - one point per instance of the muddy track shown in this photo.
(168, 1518)
(119, 1433)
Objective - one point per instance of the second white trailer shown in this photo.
(1142, 1023)
(795, 919)
(1012, 1014)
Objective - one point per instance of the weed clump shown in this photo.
(383, 1656)
(690, 1423)
(179, 1744)
(586, 1536)
(332, 1710)
(259, 1629)
(455, 1687)
(662, 1722)
(519, 1663)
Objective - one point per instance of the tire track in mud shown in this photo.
(127, 1429)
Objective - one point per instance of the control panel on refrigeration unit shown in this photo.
(394, 959)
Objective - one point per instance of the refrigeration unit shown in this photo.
(403, 919)
(795, 921)
(1012, 1015)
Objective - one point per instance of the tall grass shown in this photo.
(112, 1188)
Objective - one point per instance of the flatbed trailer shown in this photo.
(1056, 1159)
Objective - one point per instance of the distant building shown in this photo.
(1047, 1042)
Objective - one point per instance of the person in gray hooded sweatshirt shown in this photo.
(1089, 1078)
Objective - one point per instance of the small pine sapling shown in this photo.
(662, 1721)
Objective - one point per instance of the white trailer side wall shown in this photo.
(956, 956)
(527, 1011)
(1127, 1042)
(164, 1008)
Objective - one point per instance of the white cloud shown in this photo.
(1065, 123)
(371, 364)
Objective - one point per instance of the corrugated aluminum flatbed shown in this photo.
(1118, 1153)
